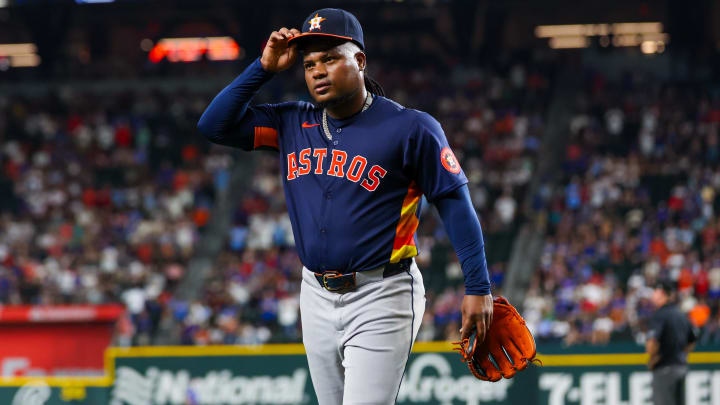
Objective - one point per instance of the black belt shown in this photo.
(341, 283)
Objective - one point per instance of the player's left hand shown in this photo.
(477, 313)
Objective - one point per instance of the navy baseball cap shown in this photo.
(331, 22)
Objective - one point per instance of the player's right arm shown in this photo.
(229, 120)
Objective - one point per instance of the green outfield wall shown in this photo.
(277, 374)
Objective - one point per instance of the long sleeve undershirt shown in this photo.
(463, 229)
(230, 106)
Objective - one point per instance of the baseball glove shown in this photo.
(508, 347)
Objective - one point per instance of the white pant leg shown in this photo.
(321, 337)
(382, 321)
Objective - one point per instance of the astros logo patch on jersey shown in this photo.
(449, 162)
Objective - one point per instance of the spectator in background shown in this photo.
(670, 338)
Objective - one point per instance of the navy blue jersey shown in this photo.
(354, 200)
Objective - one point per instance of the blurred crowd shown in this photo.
(103, 199)
(106, 198)
(636, 203)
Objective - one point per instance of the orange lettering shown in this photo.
(292, 167)
(336, 164)
(320, 154)
(375, 174)
(304, 162)
(356, 169)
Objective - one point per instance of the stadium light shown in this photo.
(656, 37)
(647, 35)
(637, 28)
(569, 42)
(20, 55)
(648, 47)
(549, 31)
(12, 49)
(626, 40)
(25, 60)
(192, 49)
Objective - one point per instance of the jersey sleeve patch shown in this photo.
(267, 137)
(449, 161)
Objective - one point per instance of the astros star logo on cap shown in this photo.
(315, 22)
(334, 22)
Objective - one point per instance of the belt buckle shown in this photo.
(326, 275)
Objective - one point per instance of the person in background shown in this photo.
(670, 338)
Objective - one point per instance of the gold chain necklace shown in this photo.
(328, 135)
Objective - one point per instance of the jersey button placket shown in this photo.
(327, 194)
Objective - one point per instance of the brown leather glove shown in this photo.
(508, 347)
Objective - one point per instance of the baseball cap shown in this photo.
(331, 22)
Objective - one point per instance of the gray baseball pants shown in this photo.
(358, 343)
(668, 385)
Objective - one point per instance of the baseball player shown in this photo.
(354, 166)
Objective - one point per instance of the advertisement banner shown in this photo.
(55, 340)
(621, 385)
(233, 378)
(39, 392)
(60, 313)
(277, 374)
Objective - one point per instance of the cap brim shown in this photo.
(310, 35)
